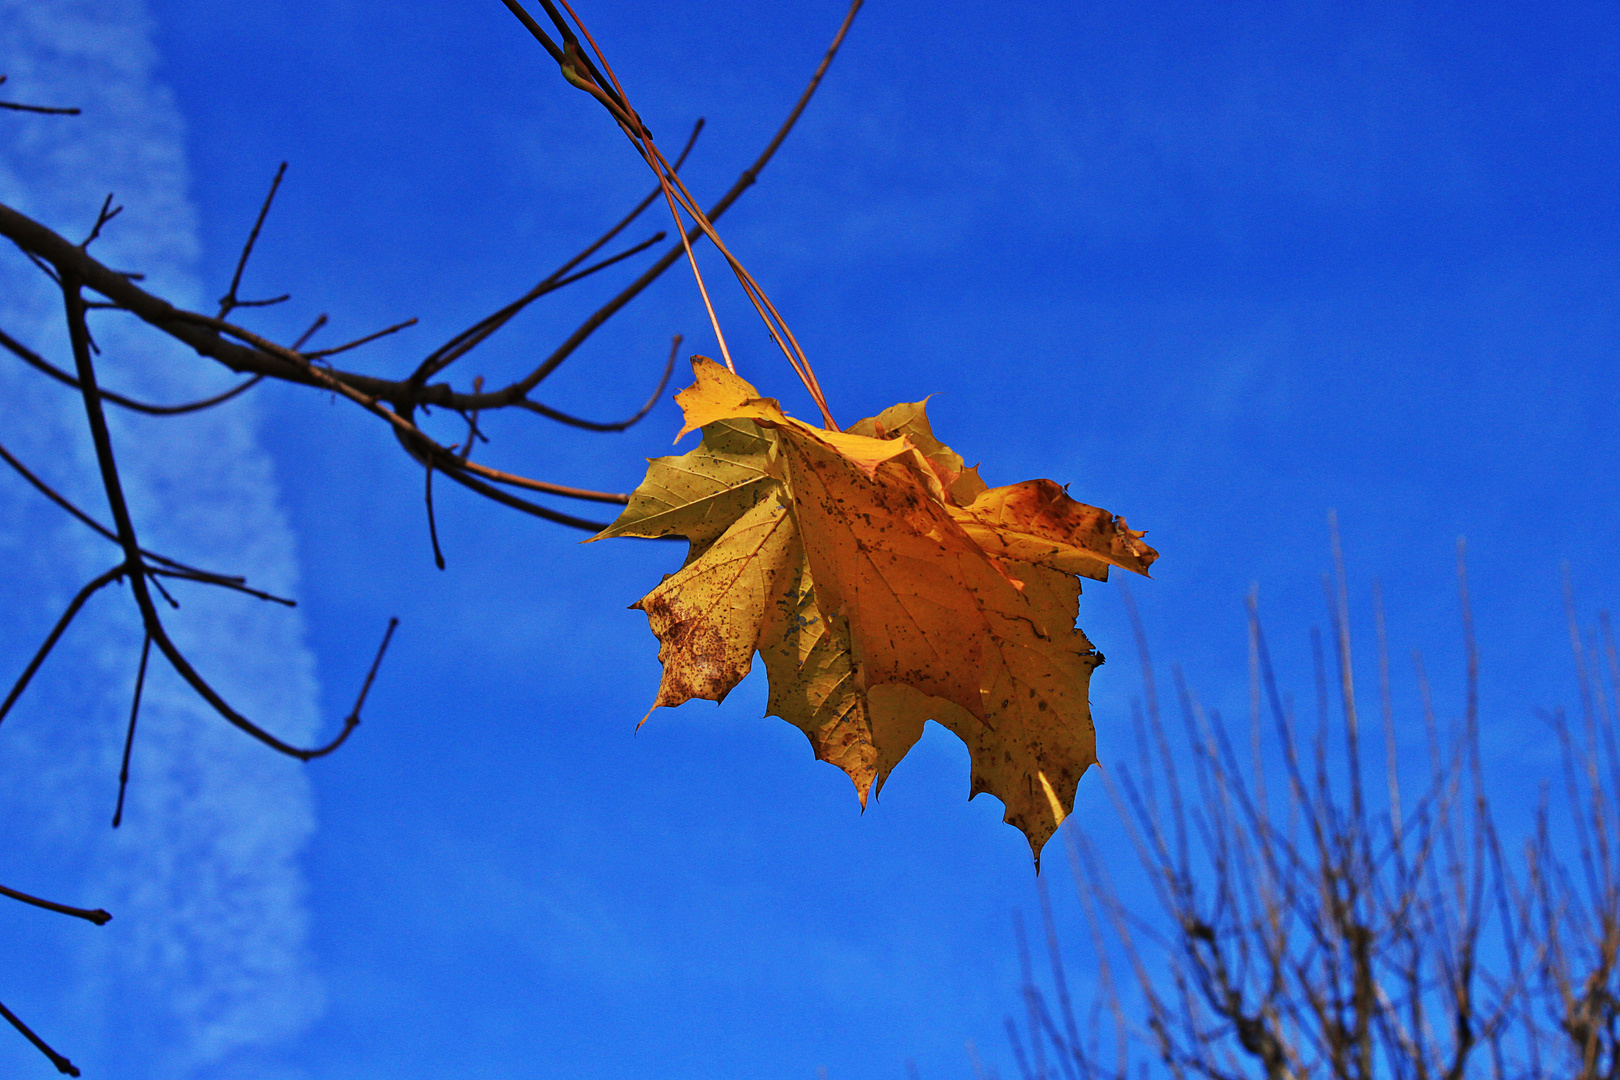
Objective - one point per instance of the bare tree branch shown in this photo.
(75, 272)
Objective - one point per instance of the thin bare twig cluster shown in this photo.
(88, 287)
(600, 82)
(1311, 925)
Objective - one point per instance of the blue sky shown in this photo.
(1221, 269)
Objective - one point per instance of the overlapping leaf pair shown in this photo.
(884, 585)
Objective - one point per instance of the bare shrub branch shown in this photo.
(1325, 934)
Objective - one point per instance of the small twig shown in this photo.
(479, 332)
(472, 424)
(63, 1065)
(180, 569)
(620, 425)
(534, 28)
(603, 264)
(51, 494)
(471, 482)
(513, 480)
(357, 342)
(35, 108)
(229, 300)
(44, 267)
(95, 915)
(102, 217)
(283, 298)
(19, 107)
(320, 321)
(637, 211)
(95, 584)
(232, 583)
(433, 528)
(129, 737)
(365, 688)
(158, 585)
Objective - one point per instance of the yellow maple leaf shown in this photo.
(884, 585)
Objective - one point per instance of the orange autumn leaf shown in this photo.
(884, 585)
